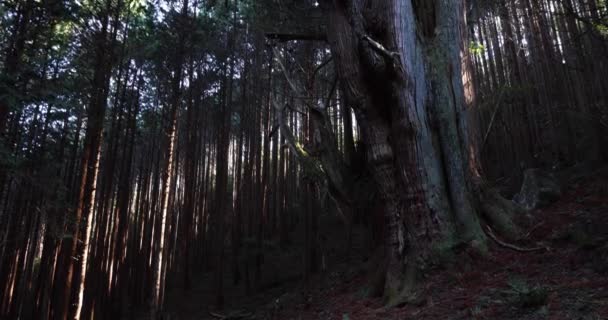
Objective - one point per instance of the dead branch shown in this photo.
(380, 48)
(296, 88)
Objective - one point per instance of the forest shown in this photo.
(303, 159)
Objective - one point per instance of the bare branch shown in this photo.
(321, 66)
(292, 84)
(286, 131)
(295, 87)
(381, 49)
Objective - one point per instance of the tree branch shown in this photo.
(380, 48)
(296, 88)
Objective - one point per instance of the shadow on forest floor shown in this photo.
(567, 281)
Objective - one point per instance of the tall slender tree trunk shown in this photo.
(66, 303)
(160, 259)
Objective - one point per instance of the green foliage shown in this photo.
(137, 6)
(476, 48)
(63, 30)
(601, 28)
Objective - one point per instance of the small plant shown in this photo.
(527, 296)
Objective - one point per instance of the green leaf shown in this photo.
(476, 48)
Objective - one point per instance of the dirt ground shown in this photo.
(566, 279)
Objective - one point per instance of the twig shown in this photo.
(512, 246)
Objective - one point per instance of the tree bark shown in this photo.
(66, 272)
(400, 69)
(159, 261)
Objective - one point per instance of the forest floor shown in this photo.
(568, 279)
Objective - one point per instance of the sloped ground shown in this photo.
(566, 280)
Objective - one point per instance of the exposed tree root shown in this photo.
(401, 286)
(409, 292)
(499, 213)
(512, 246)
(396, 287)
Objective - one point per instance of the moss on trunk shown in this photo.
(414, 128)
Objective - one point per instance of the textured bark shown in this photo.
(413, 125)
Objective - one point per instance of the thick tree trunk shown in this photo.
(413, 125)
